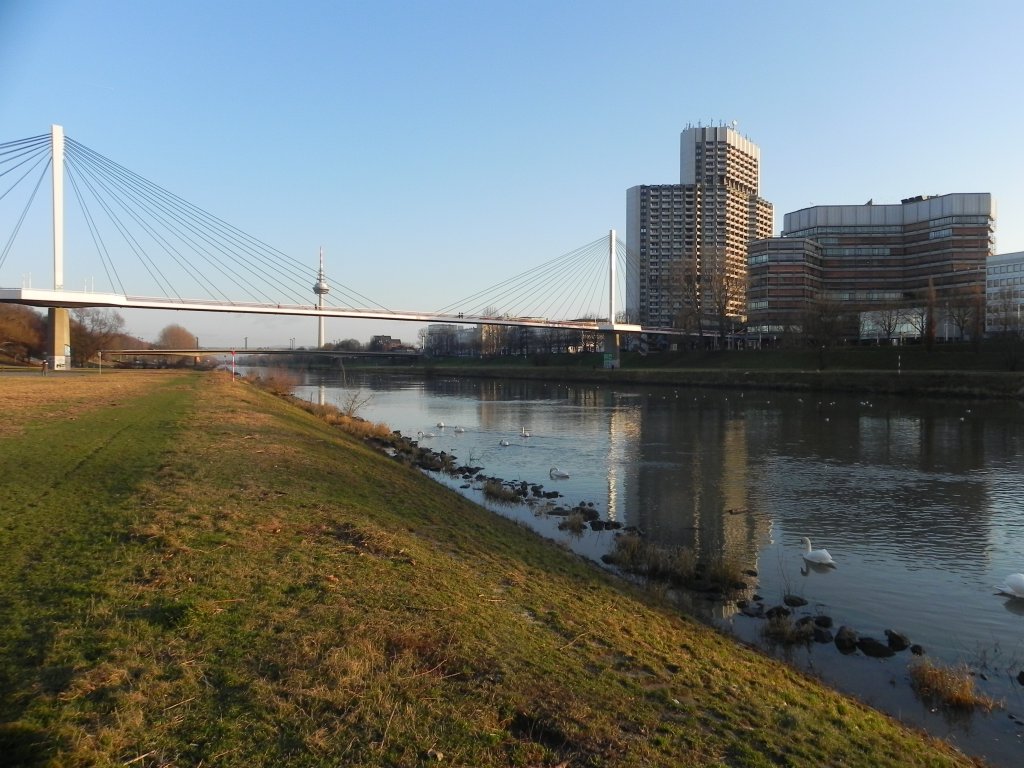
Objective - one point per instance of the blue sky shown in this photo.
(436, 148)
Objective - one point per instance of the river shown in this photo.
(919, 501)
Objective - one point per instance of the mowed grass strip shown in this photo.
(236, 583)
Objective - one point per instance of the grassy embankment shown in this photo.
(193, 571)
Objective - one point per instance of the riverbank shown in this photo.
(959, 384)
(206, 573)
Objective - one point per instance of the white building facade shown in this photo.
(1004, 293)
(690, 239)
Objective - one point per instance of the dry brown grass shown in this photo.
(280, 381)
(28, 397)
(353, 425)
(676, 565)
(948, 686)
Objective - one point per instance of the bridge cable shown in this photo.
(97, 238)
(514, 280)
(527, 283)
(124, 196)
(21, 219)
(38, 154)
(560, 286)
(217, 230)
(147, 262)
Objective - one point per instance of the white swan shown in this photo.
(557, 473)
(817, 556)
(525, 432)
(503, 441)
(460, 430)
(424, 435)
(440, 425)
(1012, 586)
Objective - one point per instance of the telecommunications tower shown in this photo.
(321, 289)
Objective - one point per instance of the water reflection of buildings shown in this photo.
(691, 478)
(917, 474)
(907, 477)
(624, 439)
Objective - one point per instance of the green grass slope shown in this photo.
(194, 572)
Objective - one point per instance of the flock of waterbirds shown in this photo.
(555, 473)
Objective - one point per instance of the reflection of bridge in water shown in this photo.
(172, 251)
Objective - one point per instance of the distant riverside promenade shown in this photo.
(919, 383)
(994, 371)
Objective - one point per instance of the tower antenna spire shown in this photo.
(321, 289)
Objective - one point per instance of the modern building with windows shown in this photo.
(690, 239)
(1004, 293)
(891, 263)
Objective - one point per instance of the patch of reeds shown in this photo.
(948, 686)
(353, 425)
(676, 565)
(575, 523)
(782, 630)
(498, 491)
(279, 381)
(725, 573)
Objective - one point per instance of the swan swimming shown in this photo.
(1012, 586)
(424, 435)
(817, 556)
(503, 441)
(460, 430)
(525, 432)
(440, 425)
(557, 473)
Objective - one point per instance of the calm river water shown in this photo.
(919, 501)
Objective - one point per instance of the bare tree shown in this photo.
(493, 338)
(92, 330)
(352, 402)
(176, 337)
(961, 311)
(689, 316)
(885, 321)
(824, 326)
(917, 319)
(722, 291)
(22, 331)
(929, 315)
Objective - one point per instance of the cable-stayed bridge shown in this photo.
(156, 250)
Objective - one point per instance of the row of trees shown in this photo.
(502, 340)
(23, 333)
